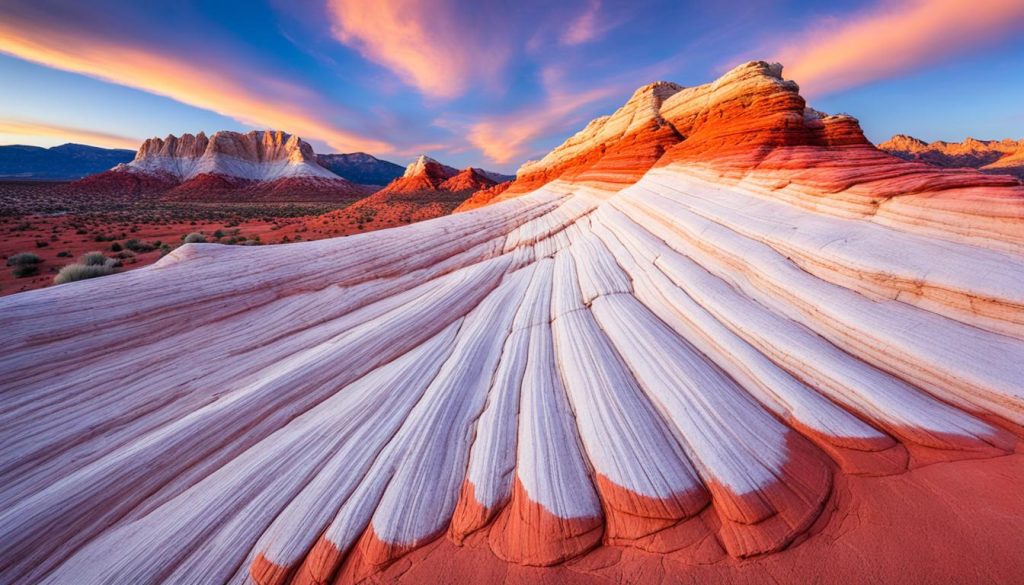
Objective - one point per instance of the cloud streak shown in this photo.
(27, 128)
(894, 38)
(433, 45)
(586, 27)
(506, 138)
(200, 81)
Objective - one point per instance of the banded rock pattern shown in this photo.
(691, 356)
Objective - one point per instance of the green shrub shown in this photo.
(23, 259)
(73, 272)
(140, 247)
(194, 238)
(115, 247)
(64, 254)
(25, 270)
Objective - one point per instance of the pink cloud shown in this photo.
(47, 132)
(207, 83)
(506, 138)
(586, 27)
(433, 45)
(895, 37)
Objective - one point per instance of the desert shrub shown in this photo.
(115, 247)
(73, 272)
(25, 270)
(42, 243)
(140, 247)
(165, 249)
(93, 259)
(64, 254)
(23, 259)
(218, 234)
(194, 238)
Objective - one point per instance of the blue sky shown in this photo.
(486, 83)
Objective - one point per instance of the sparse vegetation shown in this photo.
(90, 265)
(25, 270)
(93, 259)
(24, 259)
(194, 238)
(73, 272)
(140, 247)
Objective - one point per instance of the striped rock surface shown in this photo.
(757, 346)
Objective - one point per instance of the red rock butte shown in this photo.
(714, 337)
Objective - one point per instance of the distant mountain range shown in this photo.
(361, 168)
(988, 156)
(64, 162)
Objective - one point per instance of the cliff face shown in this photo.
(256, 155)
(229, 166)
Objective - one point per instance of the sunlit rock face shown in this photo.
(715, 336)
(258, 165)
(991, 156)
(426, 190)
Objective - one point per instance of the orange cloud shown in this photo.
(198, 82)
(22, 128)
(506, 138)
(894, 38)
(432, 45)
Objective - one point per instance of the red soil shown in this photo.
(28, 216)
(892, 529)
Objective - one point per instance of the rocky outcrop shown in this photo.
(775, 345)
(992, 156)
(229, 166)
(427, 189)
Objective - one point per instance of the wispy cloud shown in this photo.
(209, 81)
(434, 45)
(893, 38)
(33, 129)
(506, 138)
(586, 27)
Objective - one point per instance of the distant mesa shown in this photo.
(59, 163)
(989, 156)
(228, 166)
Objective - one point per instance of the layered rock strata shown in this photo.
(770, 349)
